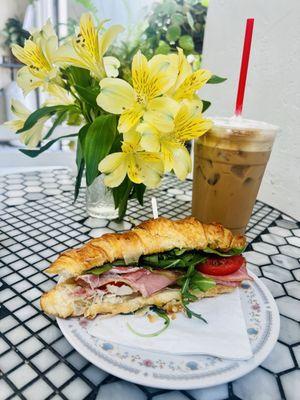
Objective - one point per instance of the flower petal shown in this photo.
(116, 177)
(140, 73)
(182, 164)
(116, 95)
(114, 166)
(151, 168)
(111, 162)
(130, 118)
(184, 68)
(111, 66)
(163, 73)
(106, 39)
(189, 124)
(133, 169)
(58, 95)
(131, 138)
(89, 33)
(66, 54)
(161, 112)
(150, 137)
(19, 109)
(192, 83)
(27, 81)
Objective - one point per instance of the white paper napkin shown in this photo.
(224, 336)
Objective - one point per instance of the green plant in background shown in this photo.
(169, 24)
(176, 23)
(14, 33)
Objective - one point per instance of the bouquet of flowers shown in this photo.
(131, 131)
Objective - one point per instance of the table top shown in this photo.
(38, 220)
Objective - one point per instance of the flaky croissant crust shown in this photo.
(152, 236)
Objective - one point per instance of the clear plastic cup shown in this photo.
(229, 164)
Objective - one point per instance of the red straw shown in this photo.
(244, 67)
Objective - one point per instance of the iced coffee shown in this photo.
(229, 164)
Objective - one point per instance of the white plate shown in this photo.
(183, 372)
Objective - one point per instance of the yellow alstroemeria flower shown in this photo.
(33, 136)
(37, 55)
(188, 82)
(140, 166)
(87, 49)
(150, 81)
(188, 124)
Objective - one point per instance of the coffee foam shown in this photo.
(240, 134)
(237, 122)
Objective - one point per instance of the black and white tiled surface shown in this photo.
(38, 220)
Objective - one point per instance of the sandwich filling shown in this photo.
(189, 271)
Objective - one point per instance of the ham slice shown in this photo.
(140, 280)
(234, 279)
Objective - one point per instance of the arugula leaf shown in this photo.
(194, 281)
(201, 283)
(191, 313)
(232, 252)
(183, 259)
(179, 252)
(100, 270)
(107, 267)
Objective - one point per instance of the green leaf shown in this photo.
(163, 48)
(216, 79)
(124, 200)
(89, 95)
(190, 20)
(206, 105)
(232, 252)
(201, 283)
(60, 117)
(40, 113)
(100, 270)
(191, 313)
(80, 170)
(138, 192)
(177, 19)
(173, 33)
(80, 159)
(98, 142)
(79, 76)
(186, 43)
(35, 153)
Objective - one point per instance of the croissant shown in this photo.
(152, 236)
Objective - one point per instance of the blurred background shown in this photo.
(211, 34)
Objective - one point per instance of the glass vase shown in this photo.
(99, 201)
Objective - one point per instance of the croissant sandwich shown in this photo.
(160, 263)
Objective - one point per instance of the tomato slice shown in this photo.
(220, 266)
